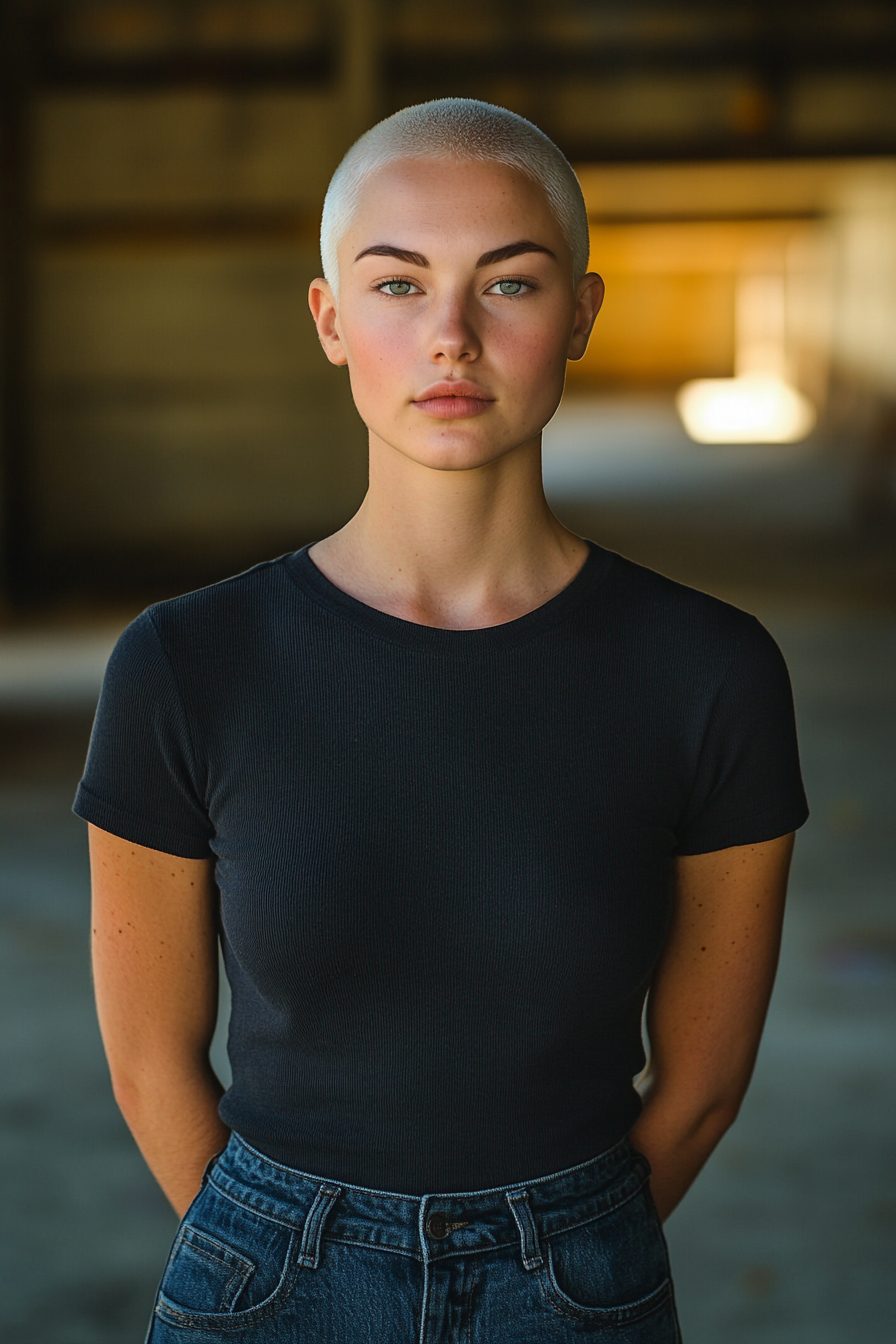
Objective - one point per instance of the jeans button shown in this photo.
(437, 1225)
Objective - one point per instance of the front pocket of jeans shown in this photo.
(612, 1270)
(229, 1267)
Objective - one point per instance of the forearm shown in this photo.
(707, 1005)
(172, 1113)
(155, 973)
(677, 1137)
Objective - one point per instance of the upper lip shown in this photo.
(455, 387)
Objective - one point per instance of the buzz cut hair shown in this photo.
(461, 129)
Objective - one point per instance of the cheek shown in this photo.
(533, 360)
(533, 349)
(375, 352)
(378, 360)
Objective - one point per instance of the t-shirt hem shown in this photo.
(753, 830)
(135, 829)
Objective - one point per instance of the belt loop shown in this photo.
(519, 1207)
(309, 1251)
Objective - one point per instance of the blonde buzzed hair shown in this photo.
(458, 128)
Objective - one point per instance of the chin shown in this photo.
(459, 458)
(459, 451)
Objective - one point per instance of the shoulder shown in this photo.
(234, 606)
(666, 619)
(204, 637)
(223, 626)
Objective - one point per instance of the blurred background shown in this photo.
(168, 419)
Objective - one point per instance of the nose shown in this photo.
(454, 337)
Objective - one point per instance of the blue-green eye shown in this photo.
(396, 287)
(509, 287)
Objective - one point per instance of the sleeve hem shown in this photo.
(747, 831)
(138, 830)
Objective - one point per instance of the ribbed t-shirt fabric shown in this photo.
(444, 856)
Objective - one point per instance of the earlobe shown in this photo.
(323, 310)
(589, 297)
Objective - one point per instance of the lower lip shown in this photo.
(453, 408)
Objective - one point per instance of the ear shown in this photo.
(323, 310)
(589, 297)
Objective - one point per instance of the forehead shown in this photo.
(412, 200)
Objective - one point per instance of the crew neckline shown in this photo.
(394, 629)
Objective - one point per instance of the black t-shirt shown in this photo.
(444, 856)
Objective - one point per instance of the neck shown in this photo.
(455, 549)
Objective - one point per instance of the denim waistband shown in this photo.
(429, 1227)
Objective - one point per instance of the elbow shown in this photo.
(128, 1091)
(135, 1077)
(704, 1119)
(144, 1084)
(705, 1105)
(720, 1115)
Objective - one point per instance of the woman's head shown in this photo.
(462, 240)
(455, 128)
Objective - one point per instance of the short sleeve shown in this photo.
(747, 786)
(140, 781)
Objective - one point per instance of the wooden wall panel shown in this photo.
(184, 396)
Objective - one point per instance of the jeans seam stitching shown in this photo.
(239, 1275)
(271, 1306)
(593, 1218)
(625, 1315)
(243, 1265)
(251, 1208)
(372, 1245)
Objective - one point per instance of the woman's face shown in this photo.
(457, 311)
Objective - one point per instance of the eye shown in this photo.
(509, 288)
(397, 288)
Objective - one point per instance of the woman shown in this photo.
(454, 787)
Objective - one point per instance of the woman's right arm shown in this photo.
(155, 971)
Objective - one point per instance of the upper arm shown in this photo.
(711, 990)
(155, 960)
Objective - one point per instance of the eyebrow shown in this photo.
(400, 253)
(487, 259)
(513, 250)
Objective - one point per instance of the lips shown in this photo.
(453, 400)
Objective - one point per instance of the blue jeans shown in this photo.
(269, 1255)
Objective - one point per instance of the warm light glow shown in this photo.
(755, 408)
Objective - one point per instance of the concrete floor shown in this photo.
(789, 1236)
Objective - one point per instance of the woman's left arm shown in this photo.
(707, 1006)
